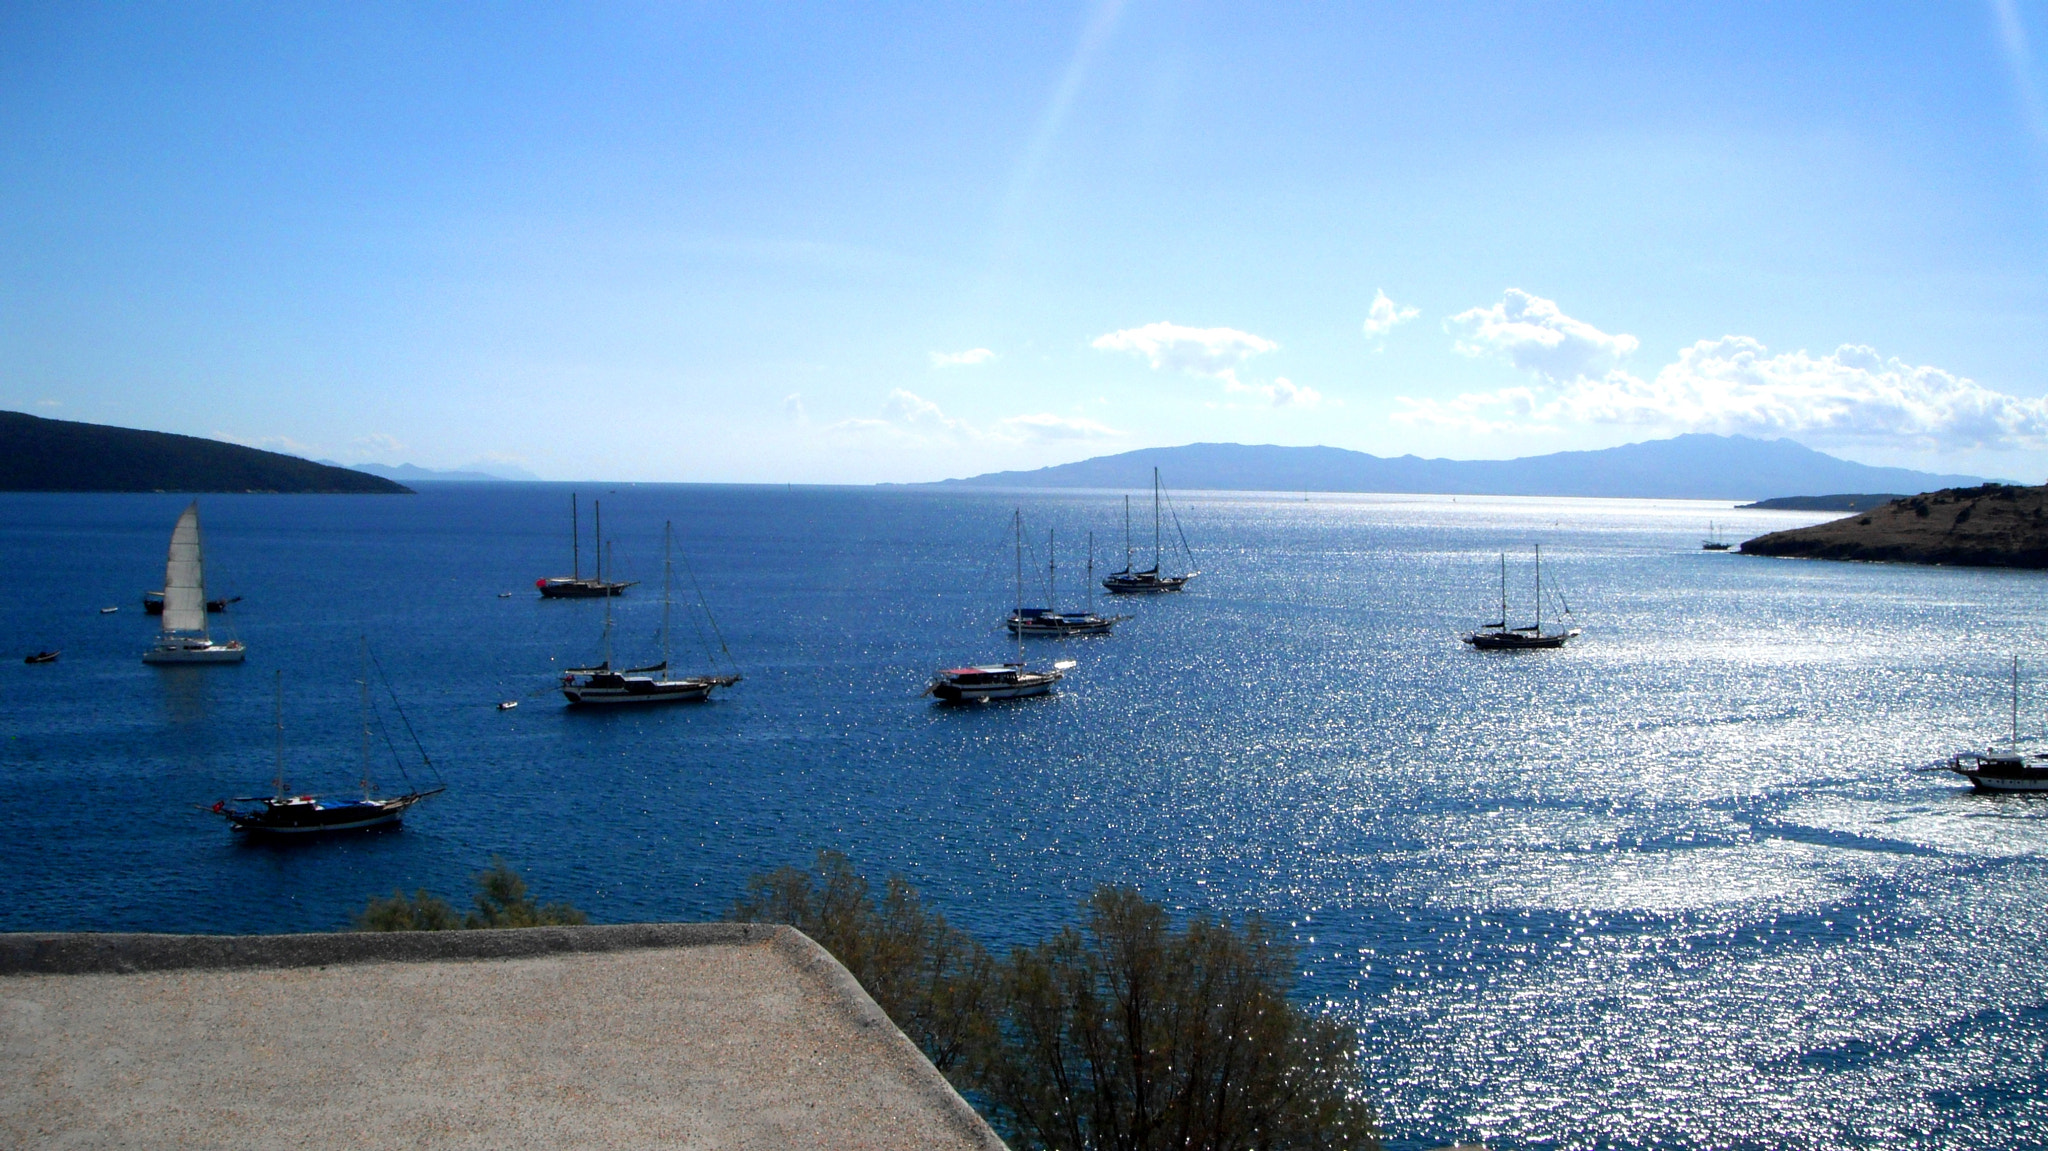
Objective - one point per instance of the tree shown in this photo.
(501, 901)
(1124, 1034)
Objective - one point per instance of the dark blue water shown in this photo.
(1671, 886)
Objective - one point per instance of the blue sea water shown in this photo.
(1672, 886)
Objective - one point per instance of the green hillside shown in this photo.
(39, 455)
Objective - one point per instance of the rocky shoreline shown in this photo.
(1992, 525)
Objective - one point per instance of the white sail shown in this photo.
(184, 582)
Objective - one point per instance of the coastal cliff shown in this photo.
(1994, 525)
(43, 455)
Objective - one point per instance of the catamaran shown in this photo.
(283, 813)
(1011, 680)
(1154, 578)
(585, 686)
(574, 585)
(2003, 769)
(1050, 620)
(184, 638)
(1498, 636)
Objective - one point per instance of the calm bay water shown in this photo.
(1671, 886)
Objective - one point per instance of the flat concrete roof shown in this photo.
(639, 1035)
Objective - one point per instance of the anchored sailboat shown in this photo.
(282, 813)
(2006, 769)
(184, 638)
(1054, 622)
(1154, 578)
(1012, 680)
(573, 585)
(1498, 636)
(583, 686)
(1714, 542)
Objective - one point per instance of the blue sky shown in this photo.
(843, 244)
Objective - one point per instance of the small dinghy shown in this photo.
(109, 610)
(41, 657)
(508, 705)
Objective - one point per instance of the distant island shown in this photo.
(1841, 503)
(43, 455)
(1991, 525)
(1698, 466)
(414, 474)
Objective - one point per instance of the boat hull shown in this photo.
(1049, 625)
(1143, 583)
(306, 815)
(2033, 780)
(562, 588)
(982, 685)
(1518, 641)
(617, 690)
(229, 652)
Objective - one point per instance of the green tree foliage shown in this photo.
(1125, 1033)
(501, 901)
(932, 978)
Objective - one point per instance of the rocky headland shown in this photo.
(1993, 525)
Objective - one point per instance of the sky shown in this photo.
(851, 244)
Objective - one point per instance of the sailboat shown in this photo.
(282, 813)
(1498, 636)
(184, 638)
(2008, 769)
(1012, 680)
(1050, 620)
(574, 585)
(585, 686)
(1152, 579)
(1713, 542)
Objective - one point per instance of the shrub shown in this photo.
(501, 901)
(1124, 1033)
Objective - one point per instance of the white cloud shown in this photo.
(378, 443)
(1385, 316)
(284, 444)
(793, 408)
(910, 418)
(1214, 352)
(1534, 335)
(1735, 385)
(968, 358)
(1046, 426)
(49, 403)
(1281, 393)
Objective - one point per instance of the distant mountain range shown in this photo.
(43, 455)
(1697, 466)
(414, 474)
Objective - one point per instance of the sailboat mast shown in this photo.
(1503, 589)
(280, 733)
(668, 579)
(1017, 528)
(1127, 531)
(1539, 589)
(1155, 520)
(1052, 574)
(365, 682)
(1091, 573)
(575, 541)
(607, 615)
(2015, 703)
(597, 512)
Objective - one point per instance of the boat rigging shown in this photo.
(574, 585)
(1498, 636)
(1154, 578)
(586, 686)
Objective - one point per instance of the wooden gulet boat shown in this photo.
(603, 685)
(1154, 578)
(2003, 769)
(574, 585)
(982, 683)
(1050, 621)
(283, 813)
(1498, 636)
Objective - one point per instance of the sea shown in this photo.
(1675, 885)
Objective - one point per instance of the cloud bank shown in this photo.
(1731, 385)
(910, 418)
(1212, 353)
(1385, 315)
